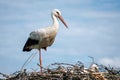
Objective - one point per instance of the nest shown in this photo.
(65, 71)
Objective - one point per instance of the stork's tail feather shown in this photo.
(29, 43)
(26, 49)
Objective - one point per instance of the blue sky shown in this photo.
(93, 31)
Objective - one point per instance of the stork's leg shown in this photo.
(40, 60)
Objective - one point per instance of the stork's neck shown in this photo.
(55, 21)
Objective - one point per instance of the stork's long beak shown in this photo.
(62, 20)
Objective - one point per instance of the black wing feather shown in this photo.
(29, 43)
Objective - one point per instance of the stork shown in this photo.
(44, 37)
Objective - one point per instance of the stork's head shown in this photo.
(57, 13)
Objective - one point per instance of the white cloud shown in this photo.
(114, 61)
(100, 14)
(94, 14)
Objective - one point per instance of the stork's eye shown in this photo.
(58, 13)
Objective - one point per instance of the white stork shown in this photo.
(42, 38)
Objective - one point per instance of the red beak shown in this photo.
(62, 20)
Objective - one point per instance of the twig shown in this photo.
(28, 60)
